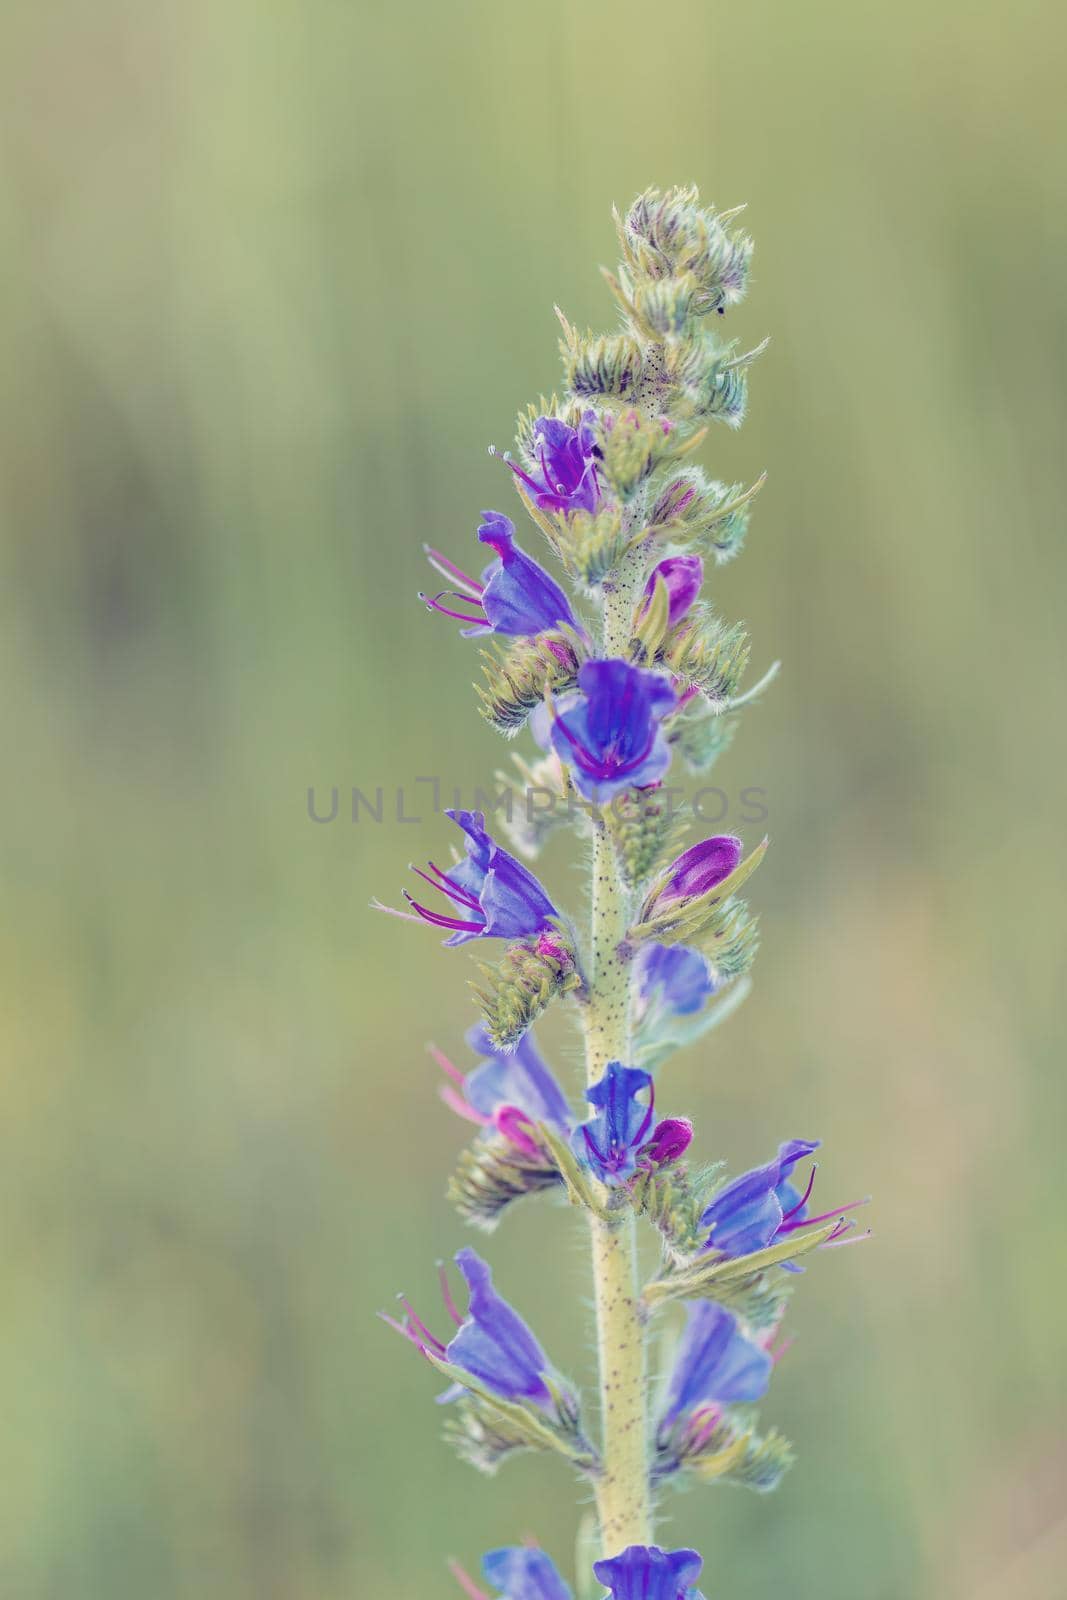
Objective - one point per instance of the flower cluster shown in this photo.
(614, 681)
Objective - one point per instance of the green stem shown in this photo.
(623, 1497)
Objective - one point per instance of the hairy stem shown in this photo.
(623, 1498)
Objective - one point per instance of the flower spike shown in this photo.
(645, 671)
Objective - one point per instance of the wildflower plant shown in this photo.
(628, 673)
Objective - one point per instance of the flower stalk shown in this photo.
(623, 1491)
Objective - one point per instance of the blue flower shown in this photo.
(609, 733)
(645, 1572)
(564, 476)
(508, 1092)
(495, 894)
(675, 976)
(763, 1206)
(521, 1573)
(492, 1341)
(751, 1211)
(715, 1364)
(515, 595)
(608, 1143)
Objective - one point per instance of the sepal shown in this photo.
(673, 1200)
(483, 1428)
(632, 447)
(492, 1173)
(671, 234)
(739, 1282)
(519, 675)
(730, 941)
(660, 308)
(643, 831)
(592, 543)
(529, 976)
(702, 917)
(700, 513)
(710, 381)
(704, 652)
(719, 1448)
(607, 366)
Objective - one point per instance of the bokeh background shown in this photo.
(274, 275)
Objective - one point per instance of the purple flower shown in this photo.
(564, 477)
(515, 596)
(495, 896)
(645, 1572)
(492, 1343)
(715, 1365)
(676, 976)
(610, 1141)
(683, 576)
(609, 733)
(670, 1139)
(510, 1093)
(695, 871)
(522, 1573)
(762, 1206)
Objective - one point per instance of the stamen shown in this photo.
(447, 1066)
(452, 888)
(448, 569)
(463, 1108)
(446, 1294)
(509, 1120)
(431, 1340)
(837, 1243)
(466, 1582)
(433, 603)
(808, 1222)
(391, 911)
(439, 920)
(805, 1197)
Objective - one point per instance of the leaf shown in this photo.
(702, 1279)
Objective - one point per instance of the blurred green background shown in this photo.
(274, 275)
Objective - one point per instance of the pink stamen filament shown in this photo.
(446, 1295)
(414, 1330)
(512, 1123)
(453, 889)
(440, 921)
(405, 916)
(463, 1108)
(443, 882)
(447, 1066)
(466, 1582)
(809, 1222)
(448, 569)
(837, 1240)
(433, 603)
(805, 1197)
